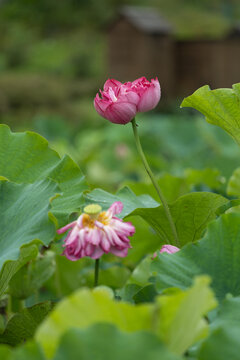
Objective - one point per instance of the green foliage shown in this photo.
(208, 256)
(180, 322)
(34, 160)
(85, 308)
(147, 306)
(5, 352)
(171, 186)
(220, 107)
(92, 343)
(32, 276)
(30, 196)
(23, 325)
(29, 351)
(223, 342)
(28, 226)
(233, 187)
(191, 214)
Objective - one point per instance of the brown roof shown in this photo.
(146, 19)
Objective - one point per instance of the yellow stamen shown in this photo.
(103, 218)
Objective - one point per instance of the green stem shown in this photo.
(155, 184)
(96, 272)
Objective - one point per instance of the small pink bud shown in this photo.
(170, 249)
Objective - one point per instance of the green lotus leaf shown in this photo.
(23, 325)
(220, 107)
(217, 255)
(180, 322)
(223, 342)
(106, 342)
(84, 308)
(32, 276)
(167, 317)
(25, 219)
(191, 214)
(26, 158)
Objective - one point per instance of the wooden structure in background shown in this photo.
(141, 43)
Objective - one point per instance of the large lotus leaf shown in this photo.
(223, 343)
(217, 255)
(220, 107)
(26, 158)
(129, 199)
(9, 268)
(106, 342)
(185, 310)
(85, 308)
(25, 218)
(228, 312)
(191, 214)
(180, 322)
(23, 325)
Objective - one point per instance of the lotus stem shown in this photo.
(154, 182)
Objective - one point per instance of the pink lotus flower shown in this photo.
(96, 232)
(170, 249)
(120, 103)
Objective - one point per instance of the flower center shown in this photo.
(92, 210)
(93, 214)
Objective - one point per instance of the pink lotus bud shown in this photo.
(170, 249)
(120, 103)
(96, 232)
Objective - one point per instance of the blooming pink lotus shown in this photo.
(120, 103)
(96, 232)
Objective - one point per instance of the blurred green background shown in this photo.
(53, 59)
